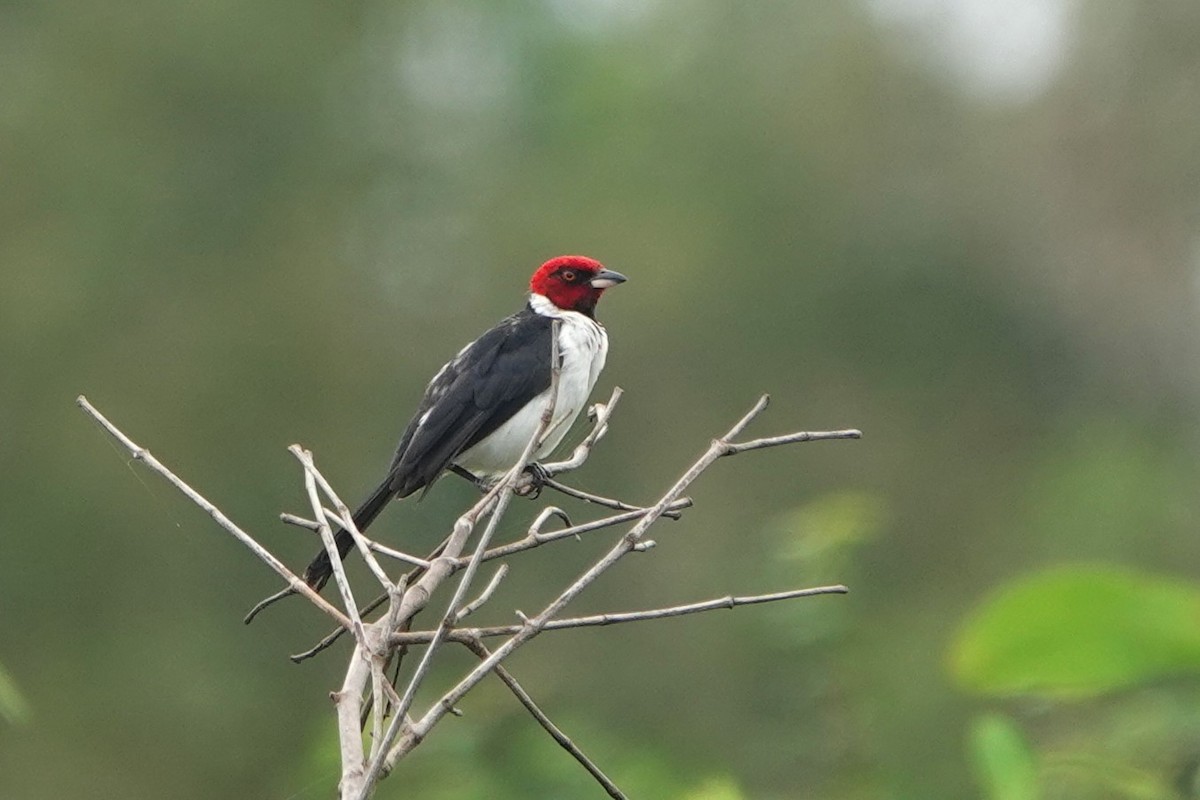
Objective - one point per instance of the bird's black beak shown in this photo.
(606, 278)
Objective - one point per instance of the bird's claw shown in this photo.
(536, 478)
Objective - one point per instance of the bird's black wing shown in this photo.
(473, 395)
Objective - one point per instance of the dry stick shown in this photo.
(479, 649)
(348, 704)
(391, 552)
(336, 634)
(298, 521)
(607, 502)
(594, 620)
(460, 591)
(140, 453)
(335, 559)
(579, 455)
(531, 627)
(544, 516)
(473, 606)
(378, 681)
(536, 538)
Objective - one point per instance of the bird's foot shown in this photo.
(536, 478)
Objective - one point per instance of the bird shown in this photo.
(481, 409)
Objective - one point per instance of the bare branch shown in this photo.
(536, 538)
(791, 438)
(594, 620)
(299, 522)
(607, 502)
(479, 649)
(741, 424)
(603, 412)
(140, 453)
(391, 552)
(535, 527)
(339, 570)
(484, 596)
(347, 701)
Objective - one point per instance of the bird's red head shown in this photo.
(573, 283)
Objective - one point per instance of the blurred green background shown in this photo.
(967, 228)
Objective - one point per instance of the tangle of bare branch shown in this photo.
(380, 641)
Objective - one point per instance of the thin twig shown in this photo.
(479, 649)
(140, 453)
(336, 633)
(544, 516)
(603, 412)
(331, 548)
(791, 438)
(537, 538)
(484, 596)
(299, 522)
(378, 702)
(594, 620)
(588, 497)
(391, 552)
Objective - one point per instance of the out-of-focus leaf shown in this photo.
(13, 706)
(830, 523)
(716, 788)
(1079, 631)
(1082, 775)
(1003, 761)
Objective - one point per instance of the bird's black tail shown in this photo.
(317, 573)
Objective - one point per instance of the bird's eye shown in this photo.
(568, 275)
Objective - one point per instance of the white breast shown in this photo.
(583, 348)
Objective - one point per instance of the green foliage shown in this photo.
(717, 788)
(1084, 777)
(1003, 761)
(1079, 631)
(830, 526)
